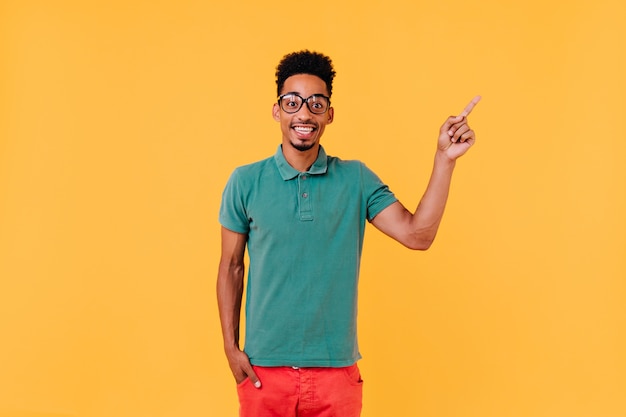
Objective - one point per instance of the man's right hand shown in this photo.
(241, 368)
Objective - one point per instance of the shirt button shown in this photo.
(304, 177)
(304, 195)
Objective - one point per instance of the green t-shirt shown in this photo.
(305, 237)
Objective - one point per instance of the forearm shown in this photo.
(229, 295)
(427, 217)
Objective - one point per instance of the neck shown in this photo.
(300, 160)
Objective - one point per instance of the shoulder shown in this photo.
(254, 166)
(345, 164)
(244, 178)
(349, 167)
(251, 170)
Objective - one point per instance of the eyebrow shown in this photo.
(298, 94)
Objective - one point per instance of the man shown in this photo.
(301, 214)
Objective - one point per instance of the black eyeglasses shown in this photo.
(292, 103)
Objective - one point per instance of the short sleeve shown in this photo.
(378, 195)
(233, 214)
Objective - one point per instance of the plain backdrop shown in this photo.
(120, 122)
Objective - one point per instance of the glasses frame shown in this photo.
(304, 100)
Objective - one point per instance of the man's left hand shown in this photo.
(455, 135)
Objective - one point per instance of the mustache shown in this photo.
(305, 122)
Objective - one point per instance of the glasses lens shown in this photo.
(291, 103)
(317, 104)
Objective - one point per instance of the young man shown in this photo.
(301, 214)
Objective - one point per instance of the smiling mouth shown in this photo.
(303, 130)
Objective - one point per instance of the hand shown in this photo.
(241, 368)
(455, 135)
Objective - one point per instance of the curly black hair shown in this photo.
(305, 62)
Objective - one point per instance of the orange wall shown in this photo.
(120, 122)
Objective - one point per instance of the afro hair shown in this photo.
(305, 62)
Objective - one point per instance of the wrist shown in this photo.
(231, 347)
(442, 159)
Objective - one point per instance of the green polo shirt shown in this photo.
(305, 236)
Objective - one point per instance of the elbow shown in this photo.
(230, 271)
(421, 245)
(419, 242)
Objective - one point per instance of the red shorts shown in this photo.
(302, 392)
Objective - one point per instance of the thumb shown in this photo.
(445, 128)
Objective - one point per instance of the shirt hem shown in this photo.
(305, 364)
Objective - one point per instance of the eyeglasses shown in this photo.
(292, 103)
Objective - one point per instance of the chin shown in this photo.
(303, 147)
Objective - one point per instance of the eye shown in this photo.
(291, 101)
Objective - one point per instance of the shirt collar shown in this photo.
(320, 166)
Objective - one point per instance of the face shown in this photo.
(302, 130)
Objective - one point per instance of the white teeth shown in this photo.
(303, 129)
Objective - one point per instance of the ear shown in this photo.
(331, 115)
(276, 112)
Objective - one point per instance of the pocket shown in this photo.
(353, 374)
(242, 383)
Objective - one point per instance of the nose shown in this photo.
(304, 111)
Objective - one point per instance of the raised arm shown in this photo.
(229, 294)
(418, 230)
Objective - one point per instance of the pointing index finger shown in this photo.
(468, 109)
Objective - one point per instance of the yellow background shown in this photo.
(120, 122)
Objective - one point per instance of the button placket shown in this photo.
(304, 198)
